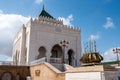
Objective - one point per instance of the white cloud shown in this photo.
(38, 1)
(1, 11)
(109, 23)
(5, 58)
(94, 37)
(67, 21)
(9, 26)
(9, 59)
(109, 56)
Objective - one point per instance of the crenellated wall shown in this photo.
(53, 22)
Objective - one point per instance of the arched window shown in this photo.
(42, 52)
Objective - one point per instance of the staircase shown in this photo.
(56, 62)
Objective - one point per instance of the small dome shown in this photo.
(93, 57)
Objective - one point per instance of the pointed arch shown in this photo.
(6, 76)
(56, 51)
(42, 52)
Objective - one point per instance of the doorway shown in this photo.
(70, 57)
(56, 51)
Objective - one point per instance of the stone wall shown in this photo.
(98, 72)
(19, 48)
(45, 71)
(14, 72)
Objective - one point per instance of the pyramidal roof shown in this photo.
(45, 14)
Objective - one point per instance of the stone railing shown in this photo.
(53, 22)
(39, 60)
(6, 62)
(12, 63)
(49, 60)
(54, 60)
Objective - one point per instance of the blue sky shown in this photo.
(98, 20)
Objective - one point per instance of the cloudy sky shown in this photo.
(98, 20)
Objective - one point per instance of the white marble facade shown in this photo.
(41, 37)
(97, 75)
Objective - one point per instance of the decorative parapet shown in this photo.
(47, 19)
(52, 22)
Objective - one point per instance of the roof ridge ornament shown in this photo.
(44, 13)
(43, 7)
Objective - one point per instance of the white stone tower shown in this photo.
(42, 37)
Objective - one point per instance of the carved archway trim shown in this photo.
(6, 72)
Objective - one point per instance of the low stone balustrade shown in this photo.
(49, 60)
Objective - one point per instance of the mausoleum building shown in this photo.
(46, 49)
(46, 37)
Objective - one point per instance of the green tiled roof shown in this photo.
(45, 14)
(109, 63)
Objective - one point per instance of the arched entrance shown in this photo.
(70, 57)
(56, 51)
(6, 76)
(42, 52)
